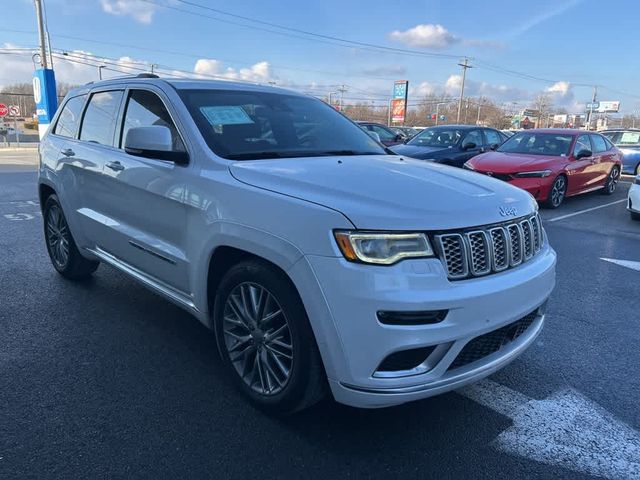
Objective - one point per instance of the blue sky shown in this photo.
(571, 44)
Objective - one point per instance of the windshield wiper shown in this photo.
(302, 153)
(257, 155)
(342, 153)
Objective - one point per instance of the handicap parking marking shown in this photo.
(586, 210)
(22, 203)
(21, 216)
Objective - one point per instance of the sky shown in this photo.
(517, 49)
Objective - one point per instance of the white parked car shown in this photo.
(633, 201)
(322, 263)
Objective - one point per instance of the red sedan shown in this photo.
(552, 164)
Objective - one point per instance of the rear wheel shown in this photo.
(557, 192)
(265, 339)
(612, 181)
(635, 216)
(63, 252)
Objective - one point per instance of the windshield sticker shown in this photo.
(229, 115)
(630, 137)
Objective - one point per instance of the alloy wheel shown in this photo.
(614, 177)
(257, 338)
(58, 236)
(558, 191)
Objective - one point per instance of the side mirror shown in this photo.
(153, 142)
(469, 146)
(494, 146)
(583, 154)
(375, 136)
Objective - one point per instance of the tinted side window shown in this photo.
(475, 136)
(599, 144)
(582, 143)
(100, 118)
(493, 137)
(383, 133)
(67, 125)
(145, 109)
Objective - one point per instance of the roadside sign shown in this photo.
(14, 110)
(593, 106)
(4, 111)
(399, 101)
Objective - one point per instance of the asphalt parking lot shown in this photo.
(108, 380)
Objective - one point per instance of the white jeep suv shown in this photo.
(322, 262)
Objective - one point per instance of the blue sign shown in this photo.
(44, 94)
(400, 89)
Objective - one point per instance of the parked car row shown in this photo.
(551, 164)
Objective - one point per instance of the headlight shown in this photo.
(382, 248)
(537, 173)
(468, 166)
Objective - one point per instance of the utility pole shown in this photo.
(342, 89)
(464, 65)
(41, 34)
(100, 71)
(593, 100)
(479, 107)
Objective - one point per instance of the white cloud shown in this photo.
(561, 88)
(422, 90)
(425, 36)
(258, 73)
(497, 92)
(141, 11)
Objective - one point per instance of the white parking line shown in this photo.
(580, 212)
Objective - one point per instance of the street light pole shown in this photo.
(464, 65)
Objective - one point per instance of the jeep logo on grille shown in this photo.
(508, 211)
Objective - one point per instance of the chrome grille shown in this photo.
(489, 249)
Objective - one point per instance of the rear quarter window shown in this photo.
(67, 124)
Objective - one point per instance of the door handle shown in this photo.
(67, 152)
(115, 166)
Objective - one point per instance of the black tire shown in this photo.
(612, 181)
(305, 384)
(635, 216)
(63, 252)
(557, 192)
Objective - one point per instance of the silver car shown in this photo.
(322, 263)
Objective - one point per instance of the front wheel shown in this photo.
(612, 181)
(265, 339)
(557, 192)
(61, 246)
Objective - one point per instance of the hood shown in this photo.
(386, 192)
(420, 152)
(499, 162)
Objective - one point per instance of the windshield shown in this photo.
(536, 143)
(623, 138)
(437, 137)
(248, 125)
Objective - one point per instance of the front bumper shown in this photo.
(539, 187)
(354, 343)
(633, 201)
